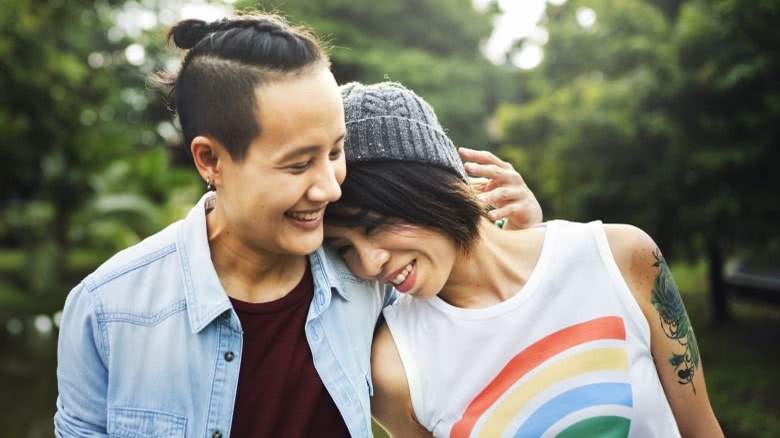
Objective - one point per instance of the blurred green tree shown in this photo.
(85, 172)
(663, 114)
(431, 46)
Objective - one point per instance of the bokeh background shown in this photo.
(660, 113)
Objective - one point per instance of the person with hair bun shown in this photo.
(234, 320)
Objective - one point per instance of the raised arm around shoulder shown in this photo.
(673, 343)
(391, 404)
(82, 376)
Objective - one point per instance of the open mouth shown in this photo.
(308, 220)
(403, 274)
(306, 217)
(405, 278)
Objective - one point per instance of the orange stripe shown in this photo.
(608, 327)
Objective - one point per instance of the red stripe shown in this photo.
(608, 327)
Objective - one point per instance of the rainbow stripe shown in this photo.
(502, 399)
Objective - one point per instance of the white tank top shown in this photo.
(567, 356)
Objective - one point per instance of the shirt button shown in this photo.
(226, 314)
(228, 357)
(216, 434)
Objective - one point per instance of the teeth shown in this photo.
(401, 277)
(304, 216)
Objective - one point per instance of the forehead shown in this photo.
(304, 109)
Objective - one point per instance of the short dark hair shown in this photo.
(226, 60)
(387, 193)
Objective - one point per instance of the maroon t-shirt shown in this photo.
(279, 392)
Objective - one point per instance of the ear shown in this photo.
(208, 155)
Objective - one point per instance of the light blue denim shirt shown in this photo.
(150, 345)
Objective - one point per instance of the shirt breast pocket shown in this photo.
(143, 423)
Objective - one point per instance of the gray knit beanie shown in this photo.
(388, 122)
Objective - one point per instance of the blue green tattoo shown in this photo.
(675, 323)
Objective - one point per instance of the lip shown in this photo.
(407, 284)
(395, 273)
(307, 225)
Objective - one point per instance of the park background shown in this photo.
(660, 113)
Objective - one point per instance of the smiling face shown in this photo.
(274, 199)
(413, 259)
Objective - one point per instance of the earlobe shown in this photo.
(206, 154)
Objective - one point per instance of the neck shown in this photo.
(494, 269)
(247, 273)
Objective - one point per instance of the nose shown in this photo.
(326, 187)
(372, 259)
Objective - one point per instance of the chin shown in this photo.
(303, 246)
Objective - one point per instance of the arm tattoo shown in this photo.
(675, 323)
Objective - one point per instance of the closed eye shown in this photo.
(300, 166)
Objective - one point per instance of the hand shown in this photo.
(500, 186)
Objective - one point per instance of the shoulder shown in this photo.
(328, 264)
(131, 267)
(636, 255)
(386, 367)
(391, 405)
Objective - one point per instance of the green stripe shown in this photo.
(602, 427)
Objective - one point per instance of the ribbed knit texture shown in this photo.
(388, 122)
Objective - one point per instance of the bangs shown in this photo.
(383, 195)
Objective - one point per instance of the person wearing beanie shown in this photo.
(563, 329)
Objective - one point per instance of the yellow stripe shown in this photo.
(580, 363)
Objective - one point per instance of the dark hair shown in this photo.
(226, 60)
(387, 193)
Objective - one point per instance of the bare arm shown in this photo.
(673, 343)
(500, 186)
(391, 404)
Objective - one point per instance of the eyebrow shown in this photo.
(306, 150)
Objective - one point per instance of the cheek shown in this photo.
(354, 265)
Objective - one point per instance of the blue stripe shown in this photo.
(574, 400)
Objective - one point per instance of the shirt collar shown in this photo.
(206, 299)
(329, 272)
(205, 296)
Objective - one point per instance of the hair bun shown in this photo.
(187, 33)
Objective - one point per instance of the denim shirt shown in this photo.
(149, 343)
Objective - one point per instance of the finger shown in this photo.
(501, 196)
(482, 157)
(513, 212)
(499, 176)
(479, 185)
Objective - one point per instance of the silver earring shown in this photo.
(210, 186)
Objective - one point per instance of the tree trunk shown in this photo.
(718, 292)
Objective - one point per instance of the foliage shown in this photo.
(660, 114)
(84, 174)
(431, 46)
